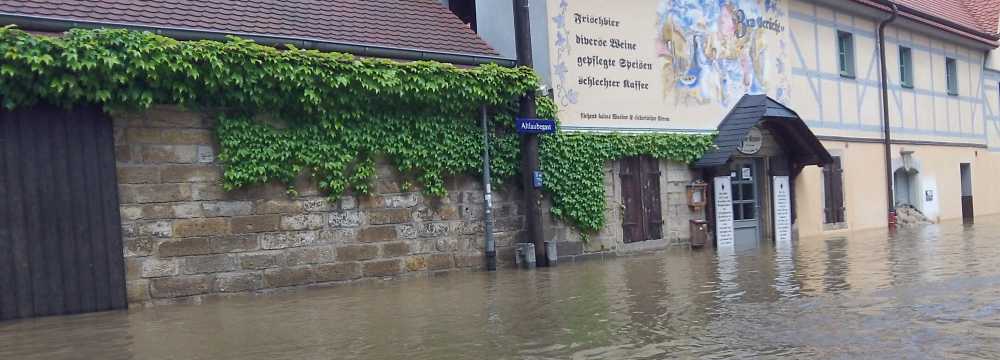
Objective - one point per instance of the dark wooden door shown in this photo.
(968, 214)
(642, 218)
(60, 230)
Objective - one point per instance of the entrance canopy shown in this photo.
(794, 136)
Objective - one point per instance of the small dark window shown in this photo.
(845, 50)
(465, 10)
(951, 74)
(833, 189)
(905, 67)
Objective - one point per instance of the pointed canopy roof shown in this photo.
(801, 145)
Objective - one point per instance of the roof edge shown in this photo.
(44, 23)
(989, 38)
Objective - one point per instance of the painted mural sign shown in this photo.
(664, 64)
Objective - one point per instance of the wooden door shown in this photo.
(60, 230)
(642, 216)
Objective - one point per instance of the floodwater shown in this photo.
(926, 293)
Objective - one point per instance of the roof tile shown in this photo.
(414, 24)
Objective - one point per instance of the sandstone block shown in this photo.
(289, 276)
(207, 191)
(187, 210)
(256, 223)
(433, 229)
(152, 267)
(302, 222)
(184, 247)
(160, 229)
(383, 267)
(138, 246)
(133, 267)
(190, 173)
(157, 193)
(186, 136)
(317, 205)
(209, 264)
(377, 234)
(416, 263)
(337, 272)
(278, 206)
(348, 218)
(171, 287)
(178, 154)
(258, 261)
(237, 282)
(347, 202)
(206, 154)
(440, 261)
(469, 260)
(227, 208)
(357, 252)
(172, 117)
(338, 236)
(201, 227)
(157, 211)
(130, 212)
(138, 175)
(234, 243)
(407, 231)
(401, 201)
(286, 240)
(140, 135)
(389, 216)
(395, 249)
(137, 290)
(310, 255)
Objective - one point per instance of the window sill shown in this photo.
(906, 86)
(847, 76)
(952, 93)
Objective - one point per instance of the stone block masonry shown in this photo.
(184, 236)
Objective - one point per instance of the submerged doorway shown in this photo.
(640, 179)
(746, 208)
(966, 173)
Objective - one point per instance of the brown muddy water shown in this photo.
(928, 293)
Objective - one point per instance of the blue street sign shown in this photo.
(536, 179)
(535, 126)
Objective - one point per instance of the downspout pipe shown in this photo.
(887, 136)
(50, 24)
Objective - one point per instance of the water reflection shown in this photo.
(931, 292)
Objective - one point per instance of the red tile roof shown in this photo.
(975, 19)
(410, 24)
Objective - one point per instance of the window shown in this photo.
(905, 67)
(833, 192)
(845, 49)
(465, 10)
(951, 76)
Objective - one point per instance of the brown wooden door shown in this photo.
(60, 230)
(642, 217)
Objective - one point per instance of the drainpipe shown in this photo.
(887, 139)
(491, 246)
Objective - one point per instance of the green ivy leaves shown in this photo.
(335, 112)
(574, 167)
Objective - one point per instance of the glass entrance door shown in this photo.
(746, 205)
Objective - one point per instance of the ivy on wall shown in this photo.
(574, 167)
(334, 112)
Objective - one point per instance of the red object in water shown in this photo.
(892, 219)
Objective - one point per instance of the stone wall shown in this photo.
(185, 237)
(674, 178)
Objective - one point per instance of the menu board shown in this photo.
(724, 235)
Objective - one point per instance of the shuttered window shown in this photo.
(833, 188)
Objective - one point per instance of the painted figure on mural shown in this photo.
(715, 51)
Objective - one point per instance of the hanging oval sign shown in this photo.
(752, 142)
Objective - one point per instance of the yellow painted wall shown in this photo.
(864, 184)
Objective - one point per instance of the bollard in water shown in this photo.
(525, 256)
(550, 253)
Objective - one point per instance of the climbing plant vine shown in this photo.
(282, 112)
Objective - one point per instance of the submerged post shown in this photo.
(529, 142)
(491, 246)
